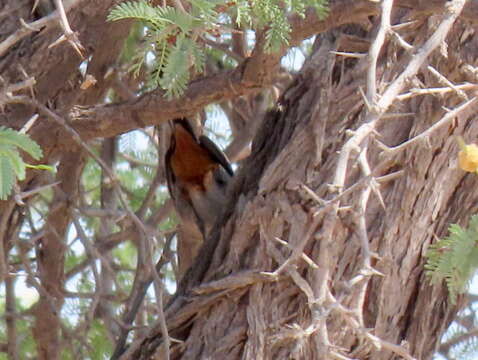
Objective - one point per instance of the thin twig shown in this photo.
(349, 54)
(68, 34)
(37, 25)
(301, 283)
(443, 121)
(92, 254)
(222, 47)
(235, 281)
(397, 349)
(375, 48)
(375, 340)
(359, 297)
(26, 194)
(159, 291)
(136, 297)
(447, 82)
(28, 125)
(7, 92)
(76, 137)
(299, 248)
(10, 318)
(453, 11)
(370, 98)
(4, 220)
(396, 36)
(304, 256)
(433, 91)
(90, 249)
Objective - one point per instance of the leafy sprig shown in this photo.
(455, 258)
(12, 166)
(174, 45)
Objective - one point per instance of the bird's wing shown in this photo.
(216, 153)
(170, 178)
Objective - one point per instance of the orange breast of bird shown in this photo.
(190, 162)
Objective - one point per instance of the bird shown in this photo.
(197, 174)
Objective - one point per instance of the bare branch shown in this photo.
(375, 51)
(453, 11)
(6, 93)
(68, 34)
(449, 116)
(447, 82)
(438, 91)
(254, 73)
(37, 25)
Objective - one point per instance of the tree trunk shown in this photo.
(302, 265)
(299, 268)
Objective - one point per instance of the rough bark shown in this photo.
(246, 313)
(235, 304)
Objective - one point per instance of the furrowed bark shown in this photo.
(241, 301)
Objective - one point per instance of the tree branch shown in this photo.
(254, 73)
(27, 29)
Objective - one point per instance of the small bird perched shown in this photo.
(198, 173)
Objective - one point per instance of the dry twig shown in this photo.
(37, 25)
(68, 34)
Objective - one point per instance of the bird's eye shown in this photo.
(220, 179)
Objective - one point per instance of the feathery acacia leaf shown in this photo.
(139, 10)
(12, 165)
(13, 156)
(173, 34)
(455, 258)
(14, 138)
(7, 178)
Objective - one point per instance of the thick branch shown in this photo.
(254, 73)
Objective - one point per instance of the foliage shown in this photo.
(12, 166)
(455, 258)
(100, 349)
(175, 40)
(135, 165)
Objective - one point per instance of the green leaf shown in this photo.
(139, 10)
(101, 348)
(16, 162)
(198, 57)
(176, 71)
(205, 9)
(279, 29)
(243, 13)
(7, 178)
(297, 6)
(175, 37)
(158, 71)
(12, 137)
(156, 17)
(179, 18)
(454, 258)
(126, 254)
